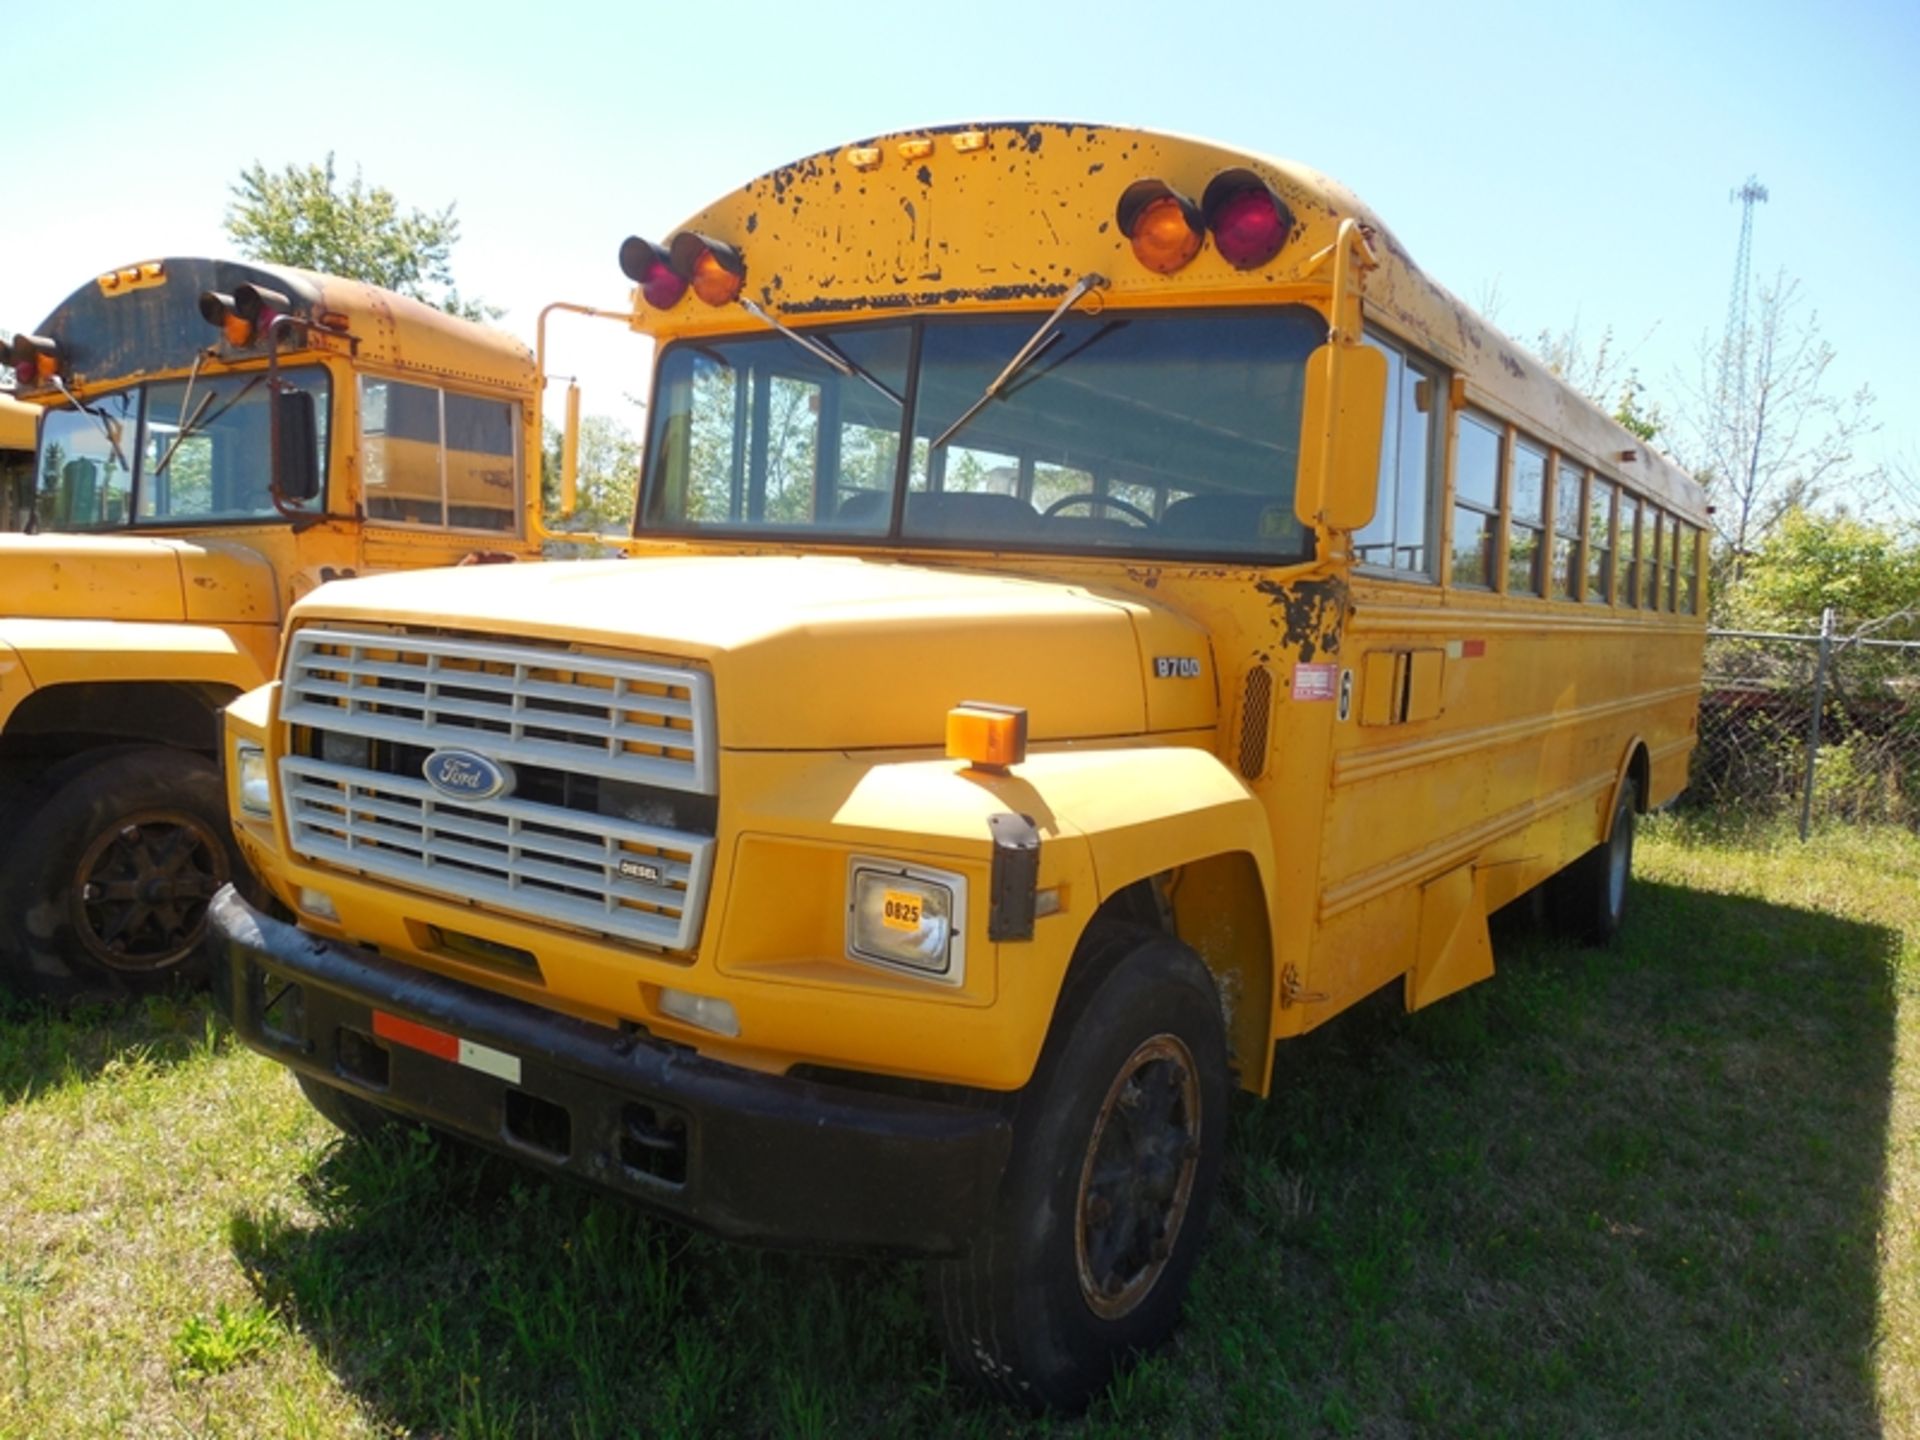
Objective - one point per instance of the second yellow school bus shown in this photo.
(1097, 609)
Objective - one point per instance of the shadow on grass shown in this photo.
(1613, 1192)
(42, 1047)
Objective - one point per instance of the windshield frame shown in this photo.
(133, 524)
(892, 538)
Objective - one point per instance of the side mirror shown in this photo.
(296, 448)
(1344, 411)
(570, 456)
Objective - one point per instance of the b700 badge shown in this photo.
(1175, 667)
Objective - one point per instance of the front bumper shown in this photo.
(764, 1158)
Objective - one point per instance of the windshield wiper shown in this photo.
(108, 428)
(822, 350)
(1048, 332)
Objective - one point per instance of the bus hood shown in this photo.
(827, 652)
(127, 577)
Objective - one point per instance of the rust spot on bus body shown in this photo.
(1308, 613)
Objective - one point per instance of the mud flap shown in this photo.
(1455, 950)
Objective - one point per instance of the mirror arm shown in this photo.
(570, 439)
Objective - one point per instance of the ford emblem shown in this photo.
(463, 775)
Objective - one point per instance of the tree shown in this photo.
(1808, 562)
(608, 478)
(303, 216)
(1773, 439)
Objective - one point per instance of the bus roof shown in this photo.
(1009, 215)
(153, 325)
(17, 422)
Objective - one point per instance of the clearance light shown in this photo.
(713, 267)
(250, 771)
(647, 265)
(318, 904)
(991, 737)
(35, 359)
(1164, 226)
(1249, 222)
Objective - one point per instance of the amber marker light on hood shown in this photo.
(1164, 227)
(1249, 222)
(712, 267)
(991, 737)
(647, 265)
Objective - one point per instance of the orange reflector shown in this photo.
(990, 736)
(712, 281)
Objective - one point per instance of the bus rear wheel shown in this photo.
(1117, 1147)
(1587, 901)
(104, 889)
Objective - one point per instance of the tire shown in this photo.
(1587, 901)
(1087, 1254)
(105, 883)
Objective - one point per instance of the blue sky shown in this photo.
(1575, 161)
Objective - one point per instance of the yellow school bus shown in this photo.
(215, 439)
(1096, 610)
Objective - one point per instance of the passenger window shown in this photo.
(1689, 561)
(1670, 580)
(1650, 545)
(1629, 549)
(1600, 542)
(1526, 524)
(1476, 501)
(1569, 524)
(1400, 537)
(436, 458)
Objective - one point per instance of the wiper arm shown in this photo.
(107, 427)
(1048, 332)
(821, 350)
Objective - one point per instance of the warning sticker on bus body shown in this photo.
(1315, 682)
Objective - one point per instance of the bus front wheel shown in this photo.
(1117, 1147)
(105, 883)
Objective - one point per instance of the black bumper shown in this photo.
(751, 1156)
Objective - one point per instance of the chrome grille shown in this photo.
(622, 719)
(634, 728)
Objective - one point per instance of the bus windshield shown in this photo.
(171, 453)
(1148, 433)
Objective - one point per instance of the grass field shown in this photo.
(1665, 1190)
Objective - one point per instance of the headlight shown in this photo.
(250, 765)
(908, 918)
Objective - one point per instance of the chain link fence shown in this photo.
(1822, 725)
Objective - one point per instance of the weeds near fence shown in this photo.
(1824, 725)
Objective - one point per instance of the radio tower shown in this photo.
(1733, 349)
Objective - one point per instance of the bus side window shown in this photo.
(1600, 541)
(1400, 537)
(1569, 527)
(1629, 549)
(1476, 500)
(1526, 525)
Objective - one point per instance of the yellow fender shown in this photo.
(40, 654)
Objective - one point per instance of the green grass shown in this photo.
(1665, 1190)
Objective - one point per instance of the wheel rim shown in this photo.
(1619, 861)
(140, 890)
(1137, 1179)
